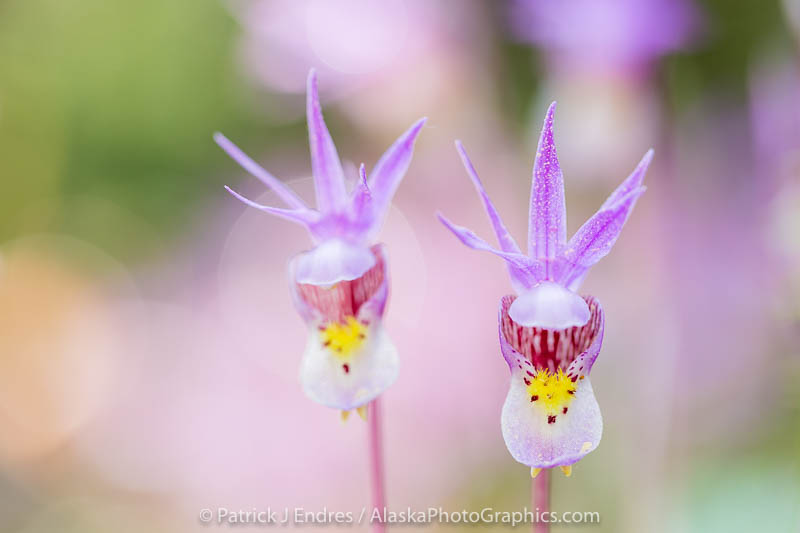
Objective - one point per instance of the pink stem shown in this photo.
(376, 463)
(540, 499)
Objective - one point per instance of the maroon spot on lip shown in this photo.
(527, 381)
(534, 397)
(346, 368)
(551, 419)
(565, 410)
(570, 391)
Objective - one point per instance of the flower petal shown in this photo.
(548, 305)
(547, 229)
(368, 373)
(284, 192)
(333, 261)
(535, 441)
(466, 236)
(631, 183)
(520, 279)
(595, 238)
(391, 167)
(325, 164)
(581, 366)
(301, 216)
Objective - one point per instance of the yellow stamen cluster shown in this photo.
(343, 340)
(553, 392)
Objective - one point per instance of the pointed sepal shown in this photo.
(283, 192)
(391, 168)
(521, 279)
(468, 238)
(325, 164)
(547, 229)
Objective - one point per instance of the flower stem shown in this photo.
(540, 499)
(376, 463)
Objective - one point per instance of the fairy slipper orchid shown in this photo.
(340, 286)
(549, 335)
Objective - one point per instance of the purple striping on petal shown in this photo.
(345, 298)
(550, 349)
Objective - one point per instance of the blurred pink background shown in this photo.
(149, 351)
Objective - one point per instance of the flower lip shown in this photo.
(548, 305)
(537, 430)
(332, 261)
(349, 359)
(369, 373)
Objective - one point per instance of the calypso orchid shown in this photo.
(549, 335)
(340, 286)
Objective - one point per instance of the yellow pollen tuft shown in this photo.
(344, 339)
(551, 392)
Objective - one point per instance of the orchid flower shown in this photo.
(340, 286)
(549, 335)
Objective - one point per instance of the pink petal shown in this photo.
(547, 230)
(325, 164)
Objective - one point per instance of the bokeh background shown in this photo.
(148, 347)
